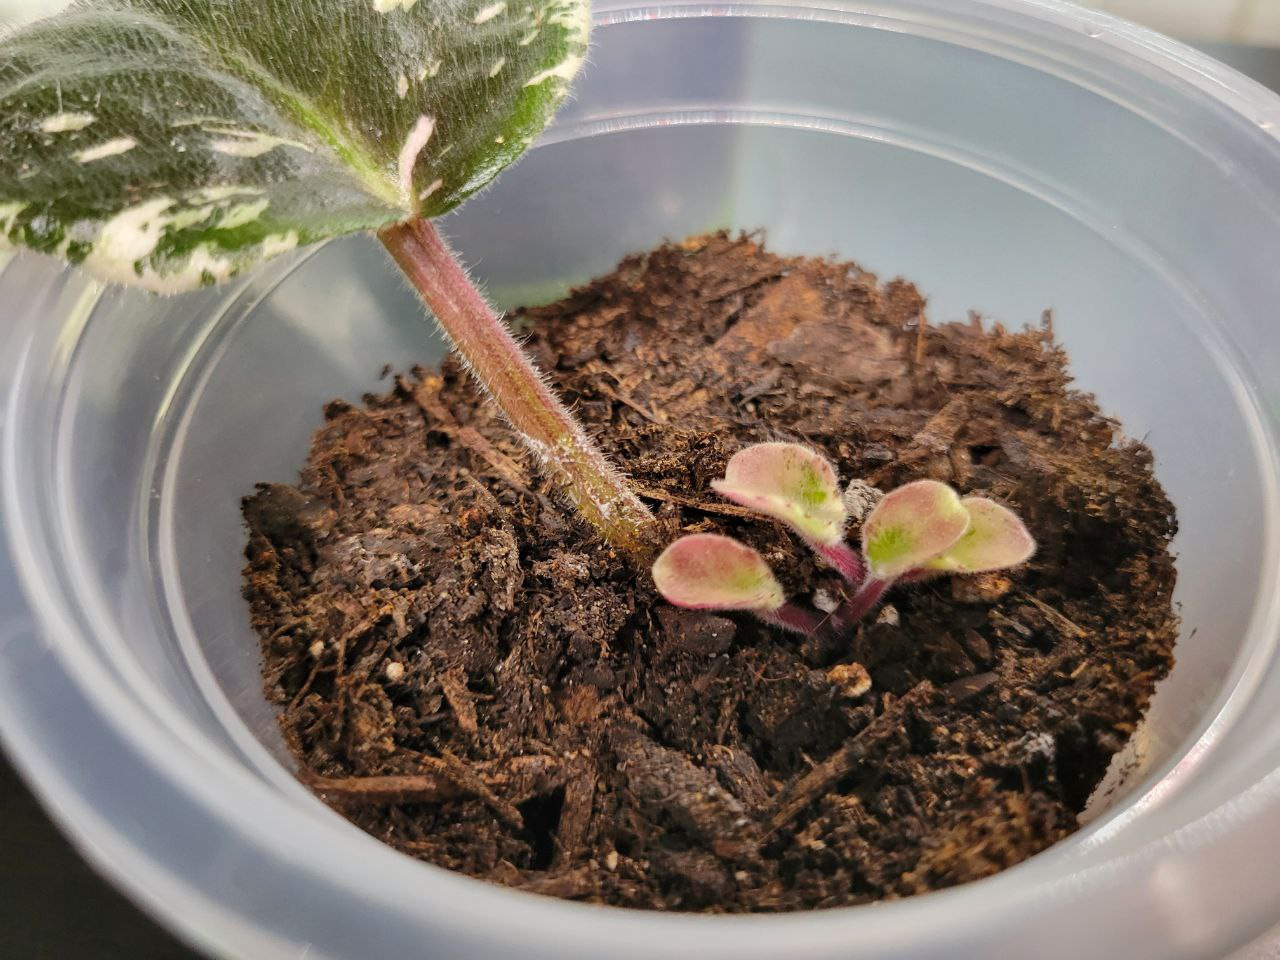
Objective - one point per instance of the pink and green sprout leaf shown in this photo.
(996, 539)
(790, 483)
(911, 526)
(707, 571)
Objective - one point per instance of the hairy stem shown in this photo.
(863, 601)
(847, 561)
(793, 618)
(568, 456)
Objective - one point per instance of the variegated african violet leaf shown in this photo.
(171, 143)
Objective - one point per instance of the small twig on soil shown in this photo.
(502, 465)
(1059, 620)
(939, 433)
(284, 628)
(523, 776)
(971, 686)
(466, 778)
(626, 401)
(424, 395)
(1021, 629)
(336, 483)
(416, 847)
(725, 509)
(454, 685)
(575, 816)
(825, 775)
(746, 283)
(340, 648)
(305, 688)
(422, 788)
(568, 885)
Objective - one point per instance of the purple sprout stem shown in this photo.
(863, 601)
(847, 561)
(570, 459)
(792, 618)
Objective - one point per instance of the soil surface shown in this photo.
(470, 676)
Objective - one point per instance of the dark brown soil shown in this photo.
(472, 678)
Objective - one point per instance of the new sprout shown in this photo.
(707, 571)
(798, 486)
(917, 531)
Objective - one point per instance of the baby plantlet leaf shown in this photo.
(911, 526)
(171, 143)
(996, 539)
(790, 483)
(707, 571)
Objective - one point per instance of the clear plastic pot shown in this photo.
(1008, 156)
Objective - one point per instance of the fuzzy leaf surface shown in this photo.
(996, 539)
(911, 526)
(172, 143)
(790, 483)
(707, 571)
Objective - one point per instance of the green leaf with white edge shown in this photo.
(911, 526)
(707, 571)
(996, 539)
(790, 483)
(170, 144)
